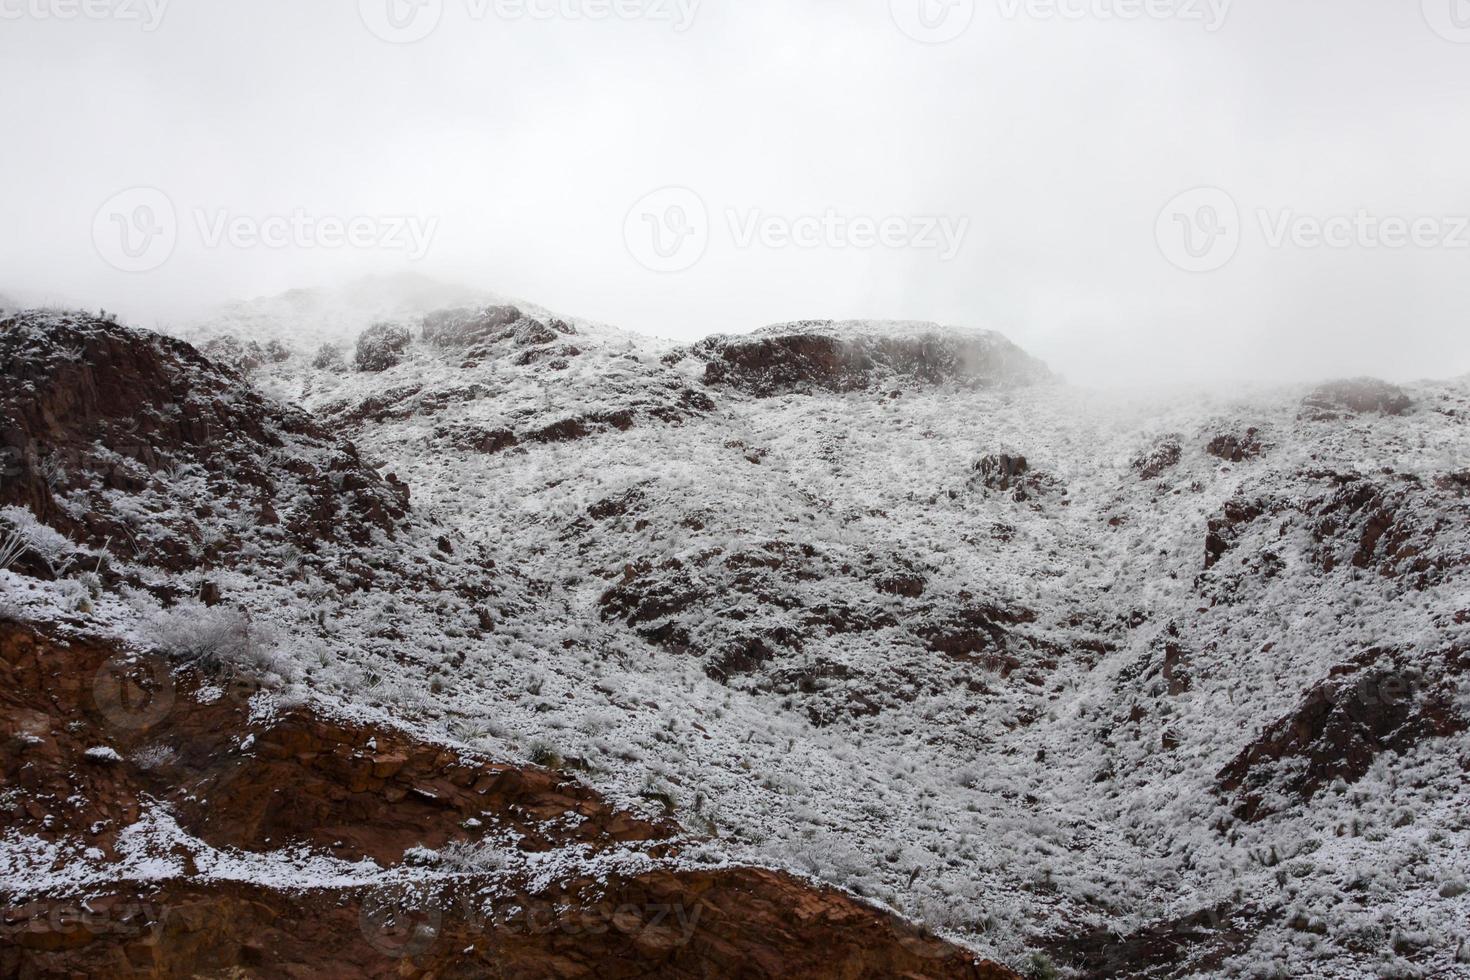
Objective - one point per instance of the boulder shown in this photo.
(1357, 396)
(814, 356)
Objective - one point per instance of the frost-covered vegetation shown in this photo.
(814, 627)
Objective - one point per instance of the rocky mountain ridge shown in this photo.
(1086, 683)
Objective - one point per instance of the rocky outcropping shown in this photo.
(828, 630)
(842, 357)
(467, 328)
(1373, 704)
(1398, 525)
(1357, 396)
(1002, 472)
(101, 425)
(1237, 448)
(99, 742)
(1158, 458)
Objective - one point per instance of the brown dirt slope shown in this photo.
(273, 783)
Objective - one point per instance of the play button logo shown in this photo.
(1450, 19)
(401, 21)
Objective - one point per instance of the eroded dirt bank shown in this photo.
(166, 824)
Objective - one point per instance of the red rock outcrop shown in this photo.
(91, 408)
(823, 356)
(1368, 706)
(1357, 396)
(1393, 524)
(93, 739)
(1237, 448)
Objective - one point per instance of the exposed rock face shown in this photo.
(473, 344)
(359, 791)
(95, 410)
(1223, 529)
(756, 617)
(1391, 523)
(1002, 472)
(1237, 448)
(1014, 476)
(740, 923)
(1358, 396)
(1197, 944)
(812, 626)
(984, 634)
(680, 404)
(502, 332)
(826, 356)
(1369, 706)
(1162, 456)
(746, 923)
(466, 328)
(99, 741)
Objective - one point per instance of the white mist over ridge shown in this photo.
(1059, 141)
(338, 314)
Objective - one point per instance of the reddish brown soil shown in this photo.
(367, 791)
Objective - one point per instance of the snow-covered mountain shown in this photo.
(1102, 684)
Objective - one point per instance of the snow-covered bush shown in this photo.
(473, 857)
(329, 358)
(213, 638)
(12, 546)
(154, 756)
(21, 532)
(229, 350)
(546, 755)
(75, 596)
(381, 346)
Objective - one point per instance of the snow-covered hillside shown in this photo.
(1156, 684)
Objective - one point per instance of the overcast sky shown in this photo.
(681, 168)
